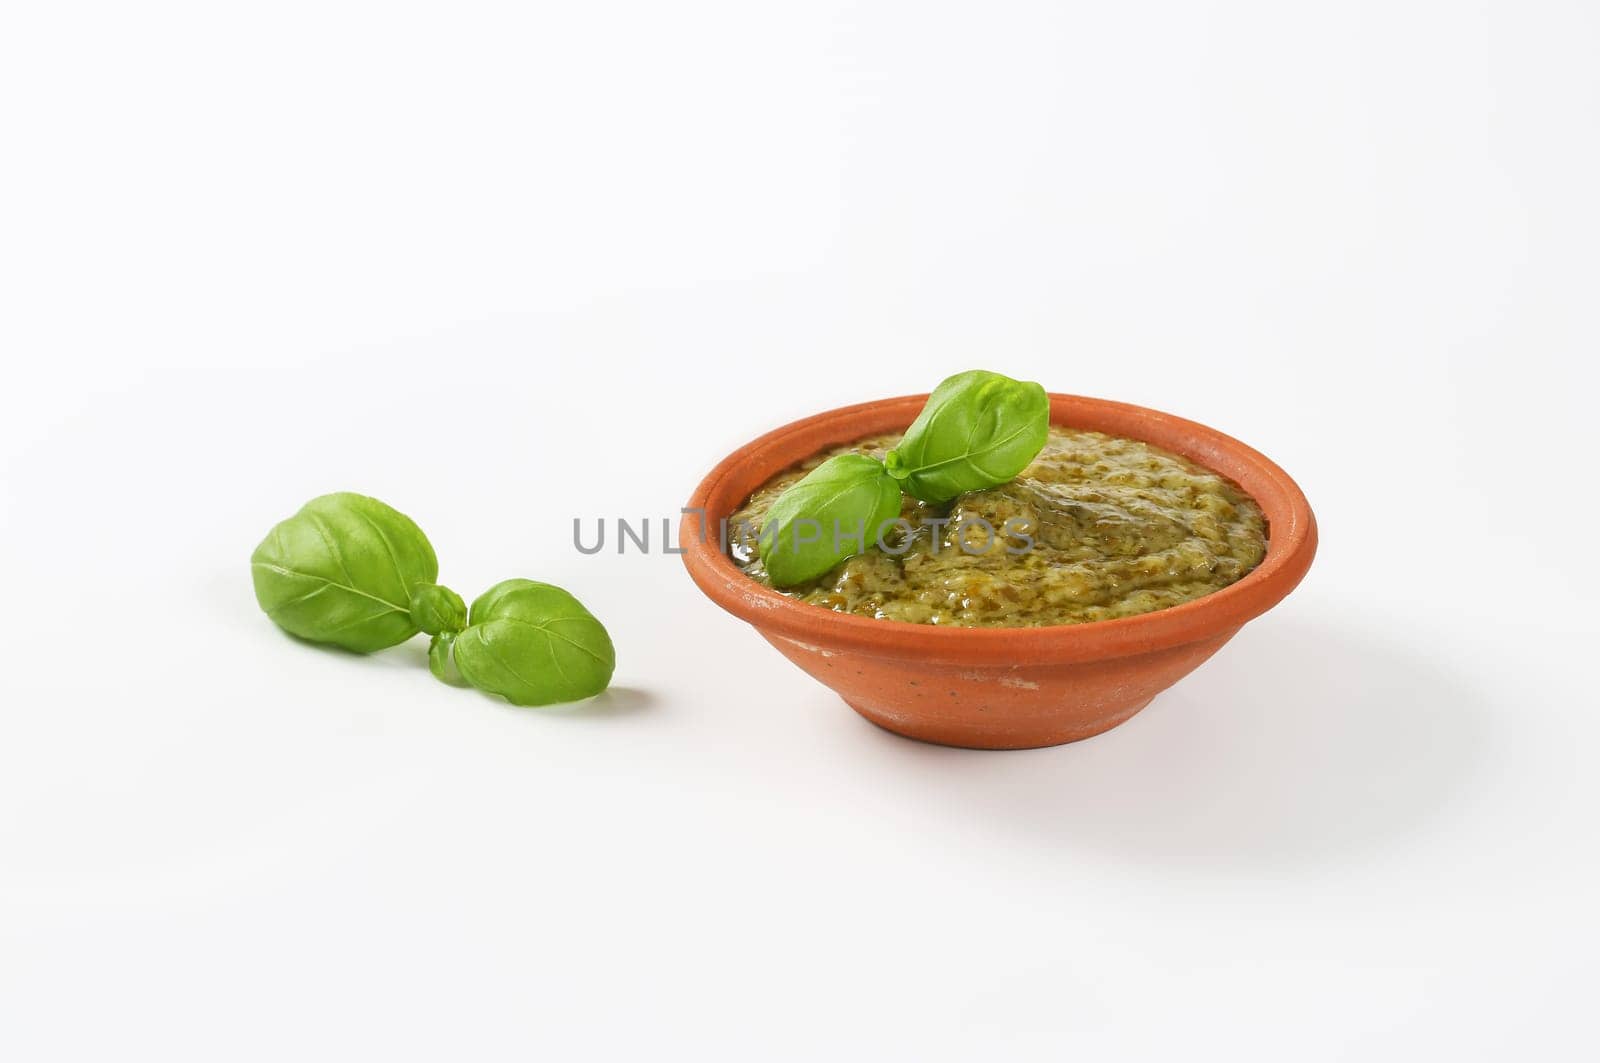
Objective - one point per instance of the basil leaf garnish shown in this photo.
(836, 511)
(978, 430)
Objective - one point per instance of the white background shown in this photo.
(504, 265)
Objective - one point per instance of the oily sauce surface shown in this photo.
(1096, 528)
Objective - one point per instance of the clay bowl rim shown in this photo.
(1291, 544)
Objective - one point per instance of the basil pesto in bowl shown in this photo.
(1096, 527)
(1122, 526)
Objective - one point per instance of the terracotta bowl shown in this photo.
(999, 688)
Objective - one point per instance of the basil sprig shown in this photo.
(836, 511)
(349, 571)
(978, 430)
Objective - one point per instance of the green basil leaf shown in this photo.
(342, 571)
(534, 644)
(836, 511)
(978, 430)
(437, 610)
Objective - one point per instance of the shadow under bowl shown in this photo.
(998, 688)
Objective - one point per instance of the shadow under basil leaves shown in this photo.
(1294, 744)
(612, 701)
(412, 653)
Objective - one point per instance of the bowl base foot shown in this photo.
(1028, 735)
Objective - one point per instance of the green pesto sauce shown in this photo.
(1096, 528)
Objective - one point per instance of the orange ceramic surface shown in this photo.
(999, 688)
